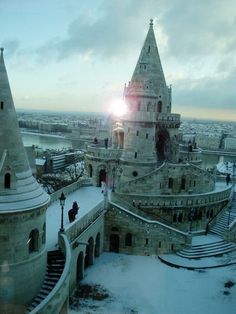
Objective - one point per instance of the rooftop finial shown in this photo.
(151, 22)
(1, 51)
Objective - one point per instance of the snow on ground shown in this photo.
(226, 167)
(143, 285)
(86, 197)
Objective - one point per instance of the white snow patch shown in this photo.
(144, 285)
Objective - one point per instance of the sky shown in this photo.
(76, 55)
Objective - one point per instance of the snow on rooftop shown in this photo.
(144, 285)
(86, 197)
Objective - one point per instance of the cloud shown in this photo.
(114, 32)
(218, 92)
(200, 28)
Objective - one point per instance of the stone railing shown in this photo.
(77, 227)
(55, 300)
(104, 153)
(194, 200)
(172, 117)
(218, 215)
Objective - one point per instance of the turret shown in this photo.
(23, 205)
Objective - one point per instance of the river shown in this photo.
(45, 141)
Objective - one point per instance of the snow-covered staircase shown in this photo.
(225, 220)
(55, 266)
(211, 248)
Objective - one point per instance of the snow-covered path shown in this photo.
(143, 285)
(86, 197)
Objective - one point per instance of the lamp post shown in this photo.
(62, 200)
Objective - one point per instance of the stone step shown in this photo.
(56, 262)
(210, 244)
(208, 249)
(213, 253)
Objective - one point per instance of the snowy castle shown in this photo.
(160, 197)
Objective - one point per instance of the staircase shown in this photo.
(55, 266)
(222, 224)
(214, 248)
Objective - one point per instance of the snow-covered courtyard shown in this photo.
(144, 285)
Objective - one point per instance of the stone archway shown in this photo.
(88, 260)
(90, 170)
(162, 144)
(97, 245)
(102, 177)
(114, 243)
(80, 266)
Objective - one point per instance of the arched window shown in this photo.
(33, 241)
(148, 107)
(44, 234)
(174, 218)
(90, 170)
(2, 103)
(7, 181)
(180, 217)
(159, 106)
(170, 183)
(128, 239)
(139, 107)
(183, 183)
(135, 155)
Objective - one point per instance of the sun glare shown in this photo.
(118, 107)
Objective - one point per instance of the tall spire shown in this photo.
(18, 188)
(148, 71)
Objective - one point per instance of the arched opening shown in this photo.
(114, 243)
(97, 245)
(180, 217)
(128, 239)
(148, 107)
(159, 106)
(33, 241)
(162, 144)
(102, 177)
(44, 234)
(89, 253)
(183, 183)
(80, 267)
(90, 170)
(170, 183)
(121, 139)
(175, 218)
(7, 181)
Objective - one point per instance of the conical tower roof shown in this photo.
(148, 72)
(18, 188)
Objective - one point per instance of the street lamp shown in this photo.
(62, 200)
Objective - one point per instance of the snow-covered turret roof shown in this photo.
(18, 188)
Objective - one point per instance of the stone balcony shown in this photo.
(100, 152)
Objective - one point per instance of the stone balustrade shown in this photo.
(103, 153)
(77, 227)
(177, 201)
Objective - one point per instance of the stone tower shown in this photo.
(23, 205)
(150, 129)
